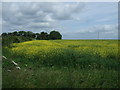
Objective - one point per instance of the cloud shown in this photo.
(105, 32)
(41, 25)
(75, 20)
(65, 11)
(100, 28)
(32, 15)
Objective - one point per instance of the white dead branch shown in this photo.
(9, 70)
(18, 67)
(14, 63)
(4, 57)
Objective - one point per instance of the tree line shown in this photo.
(53, 35)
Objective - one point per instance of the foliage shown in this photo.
(39, 36)
(55, 35)
(43, 36)
(8, 40)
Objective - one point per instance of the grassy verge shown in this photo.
(60, 78)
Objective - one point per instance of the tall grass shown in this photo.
(74, 53)
(62, 63)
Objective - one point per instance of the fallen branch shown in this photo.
(12, 62)
(4, 57)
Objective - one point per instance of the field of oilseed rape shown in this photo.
(62, 64)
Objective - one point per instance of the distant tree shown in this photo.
(34, 35)
(26, 34)
(47, 37)
(37, 35)
(15, 33)
(43, 36)
(11, 34)
(4, 34)
(29, 34)
(21, 33)
(55, 35)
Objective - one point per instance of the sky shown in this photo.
(74, 20)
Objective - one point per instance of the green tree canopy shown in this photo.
(39, 36)
(55, 35)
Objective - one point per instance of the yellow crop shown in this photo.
(49, 48)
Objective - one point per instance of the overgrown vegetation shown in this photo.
(8, 40)
(28, 34)
(62, 64)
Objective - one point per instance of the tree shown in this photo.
(43, 36)
(4, 34)
(37, 35)
(11, 34)
(15, 33)
(21, 33)
(29, 34)
(55, 35)
(33, 35)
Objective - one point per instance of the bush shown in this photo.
(8, 40)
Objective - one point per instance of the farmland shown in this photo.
(62, 64)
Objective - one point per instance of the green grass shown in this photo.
(62, 64)
(60, 78)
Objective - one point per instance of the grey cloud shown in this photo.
(65, 11)
(23, 14)
(40, 25)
